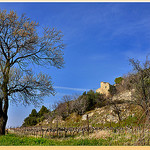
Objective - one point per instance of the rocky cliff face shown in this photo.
(108, 114)
(99, 116)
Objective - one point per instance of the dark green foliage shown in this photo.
(35, 117)
(30, 121)
(112, 90)
(100, 101)
(42, 118)
(118, 80)
(43, 111)
(84, 93)
(87, 101)
(90, 100)
(33, 113)
(95, 100)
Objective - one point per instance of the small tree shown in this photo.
(21, 46)
(117, 110)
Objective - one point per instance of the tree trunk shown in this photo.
(3, 121)
(3, 113)
(118, 113)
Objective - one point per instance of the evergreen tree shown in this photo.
(43, 111)
(33, 113)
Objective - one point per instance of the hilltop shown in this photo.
(107, 106)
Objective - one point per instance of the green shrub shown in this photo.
(118, 80)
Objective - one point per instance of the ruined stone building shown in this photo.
(104, 88)
(124, 95)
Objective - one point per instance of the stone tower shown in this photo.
(104, 89)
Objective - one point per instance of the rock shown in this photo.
(126, 95)
(111, 118)
(90, 114)
(59, 119)
(84, 117)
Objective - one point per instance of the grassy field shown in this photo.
(15, 140)
(113, 140)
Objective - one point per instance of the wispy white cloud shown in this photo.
(68, 88)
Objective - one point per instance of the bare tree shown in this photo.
(126, 83)
(20, 46)
(140, 82)
(80, 105)
(67, 100)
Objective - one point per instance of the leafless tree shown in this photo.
(126, 83)
(67, 100)
(80, 105)
(20, 46)
(140, 82)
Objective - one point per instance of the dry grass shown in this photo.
(100, 134)
(96, 135)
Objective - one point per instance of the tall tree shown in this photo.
(20, 46)
(33, 113)
(43, 111)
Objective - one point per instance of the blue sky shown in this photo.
(100, 38)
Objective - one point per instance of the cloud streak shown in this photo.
(68, 88)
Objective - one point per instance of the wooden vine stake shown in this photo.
(88, 124)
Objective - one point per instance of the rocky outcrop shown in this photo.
(123, 96)
(108, 114)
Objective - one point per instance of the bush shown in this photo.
(118, 80)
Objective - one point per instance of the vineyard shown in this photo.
(125, 136)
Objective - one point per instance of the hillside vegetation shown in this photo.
(101, 111)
